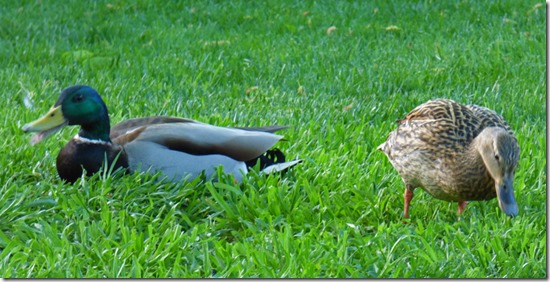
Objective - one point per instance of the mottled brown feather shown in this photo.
(430, 145)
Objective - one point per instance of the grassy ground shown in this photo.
(339, 73)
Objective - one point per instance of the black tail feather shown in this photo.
(271, 157)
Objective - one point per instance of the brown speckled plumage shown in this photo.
(439, 147)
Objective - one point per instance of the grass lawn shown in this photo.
(339, 73)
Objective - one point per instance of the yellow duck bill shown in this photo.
(48, 124)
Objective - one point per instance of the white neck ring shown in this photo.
(80, 139)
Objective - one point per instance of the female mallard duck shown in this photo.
(177, 147)
(455, 153)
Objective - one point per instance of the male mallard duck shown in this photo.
(178, 147)
(456, 153)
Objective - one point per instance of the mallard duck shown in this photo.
(456, 153)
(177, 147)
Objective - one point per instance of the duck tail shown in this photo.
(280, 167)
(272, 161)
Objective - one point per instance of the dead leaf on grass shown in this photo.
(216, 43)
(535, 8)
(347, 108)
(250, 89)
(392, 28)
(330, 30)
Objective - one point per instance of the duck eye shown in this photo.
(78, 98)
(497, 157)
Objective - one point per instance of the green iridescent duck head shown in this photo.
(76, 105)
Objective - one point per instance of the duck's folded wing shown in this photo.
(270, 128)
(135, 123)
(489, 118)
(203, 139)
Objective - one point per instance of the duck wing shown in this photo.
(195, 138)
(489, 118)
(270, 129)
(445, 119)
(131, 124)
(439, 125)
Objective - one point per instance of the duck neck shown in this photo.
(473, 158)
(474, 163)
(96, 130)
